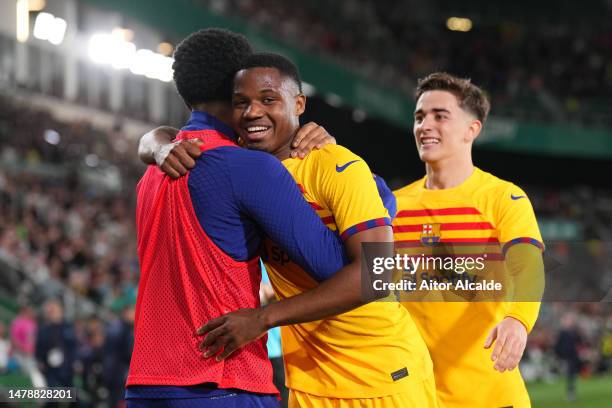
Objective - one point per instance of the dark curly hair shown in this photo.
(470, 97)
(271, 60)
(205, 63)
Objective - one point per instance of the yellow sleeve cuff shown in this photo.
(525, 312)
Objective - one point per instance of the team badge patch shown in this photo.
(431, 234)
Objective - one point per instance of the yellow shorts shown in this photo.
(426, 398)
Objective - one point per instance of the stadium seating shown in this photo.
(557, 71)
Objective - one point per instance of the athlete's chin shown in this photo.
(429, 156)
(257, 145)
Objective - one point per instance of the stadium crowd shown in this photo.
(70, 235)
(578, 334)
(70, 232)
(560, 70)
(57, 219)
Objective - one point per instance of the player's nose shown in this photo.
(253, 111)
(424, 125)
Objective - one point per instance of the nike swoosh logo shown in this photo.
(340, 169)
(512, 196)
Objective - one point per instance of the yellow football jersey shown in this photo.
(372, 351)
(486, 215)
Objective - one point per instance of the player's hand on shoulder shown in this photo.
(177, 158)
(310, 136)
(510, 337)
(228, 333)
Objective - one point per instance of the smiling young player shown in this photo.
(372, 356)
(456, 208)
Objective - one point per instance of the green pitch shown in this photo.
(590, 393)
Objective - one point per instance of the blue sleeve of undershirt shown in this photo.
(386, 195)
(266, 192)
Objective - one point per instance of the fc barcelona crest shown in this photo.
(431, 234)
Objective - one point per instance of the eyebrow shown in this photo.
(260, 91)
(436, 110)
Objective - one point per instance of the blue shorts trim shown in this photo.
(229, 400)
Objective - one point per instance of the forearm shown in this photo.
(525, 265)
(338, 294)
(345, 290)
(153, 140)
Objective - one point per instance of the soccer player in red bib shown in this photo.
(198, 239)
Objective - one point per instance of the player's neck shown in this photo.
(220, 110)
(284, 151)
(447, 174)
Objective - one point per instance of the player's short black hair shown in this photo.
(205, 63)
(271, 60)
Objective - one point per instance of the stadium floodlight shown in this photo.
(42, 25)
(308, 89)
(161, 68)
(152, 65)
(36, 5)
(23, 21)
(459, 24)
(166, 73)
(165, 48)
(156, 65)
(124, 55)
(142, 62)
(50, 28)
(57, 31)
(124, 33)
(359, 115)
(101, 48)
(333, 99)
(113, 49)
(52, 137)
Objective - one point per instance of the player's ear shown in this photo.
(473, 130)
(300, 104)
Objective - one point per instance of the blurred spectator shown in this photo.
(118, 352)
(606, 347)
(91, 355)
(566, 347)
(5, 347)
(56, 346)
(23, 340)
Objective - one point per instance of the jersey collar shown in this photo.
(204, 121)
